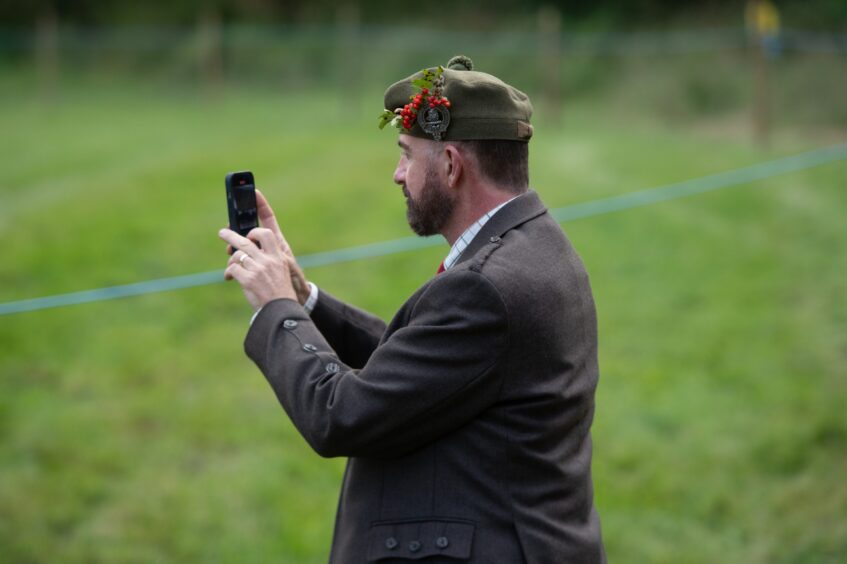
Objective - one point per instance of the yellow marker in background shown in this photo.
(762, 18)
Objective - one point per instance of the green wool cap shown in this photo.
(481, 106)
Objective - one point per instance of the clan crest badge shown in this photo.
(434, 120)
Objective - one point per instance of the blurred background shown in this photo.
(136, 430)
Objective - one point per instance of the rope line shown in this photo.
(592, 208)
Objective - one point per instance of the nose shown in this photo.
(400, 172)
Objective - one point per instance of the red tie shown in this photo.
(440, 268)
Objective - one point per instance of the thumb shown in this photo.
(266, 214)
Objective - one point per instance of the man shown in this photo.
(466, 419)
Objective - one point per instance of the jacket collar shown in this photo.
(520, 210)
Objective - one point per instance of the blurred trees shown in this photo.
(461, 13)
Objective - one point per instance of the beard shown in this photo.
(432, 210)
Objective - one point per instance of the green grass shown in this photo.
(136, 430)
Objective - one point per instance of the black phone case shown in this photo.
(243, 217)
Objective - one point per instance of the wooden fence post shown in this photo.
(763, 25)
(349, 50)
(550, 61)
(210, 39)
(761, 93)
(47, 52)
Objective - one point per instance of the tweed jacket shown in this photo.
(467, 418)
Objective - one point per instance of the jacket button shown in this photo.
(414, 546)
(309, 348)
(390, 543)
(442, 542)
(495, 239)
(332, 367)
(289, 324)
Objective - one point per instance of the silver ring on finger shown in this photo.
(242, 258)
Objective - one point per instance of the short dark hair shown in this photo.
(504, 162)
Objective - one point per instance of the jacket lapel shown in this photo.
(520, 210)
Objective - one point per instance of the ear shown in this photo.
(455, 165)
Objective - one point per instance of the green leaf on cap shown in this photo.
(422, 83)
(385, 118)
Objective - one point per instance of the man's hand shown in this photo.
(268, 273)
(268, 219)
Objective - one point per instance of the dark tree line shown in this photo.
(828, 14)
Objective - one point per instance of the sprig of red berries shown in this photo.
(430, 84)
(409, 112)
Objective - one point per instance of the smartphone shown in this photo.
(241, 202)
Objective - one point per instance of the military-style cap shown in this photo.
(457, 103)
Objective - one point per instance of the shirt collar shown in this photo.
(465, 238)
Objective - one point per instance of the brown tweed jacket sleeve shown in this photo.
(425, 380)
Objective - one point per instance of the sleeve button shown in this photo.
(442, 542)
(289, 324)
(390, 543)
(309, 347)
(414, 546)
(332, 367)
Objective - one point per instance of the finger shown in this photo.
(229, 249)
(267, 239)
(283, 244)
(266, 214)
(240, 258)
(238, 242)
(296, 273)
(237, 272)
(229, 270)
(235, 260)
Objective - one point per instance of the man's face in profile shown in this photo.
(429, 204)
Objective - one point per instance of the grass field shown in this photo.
(136, 430)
